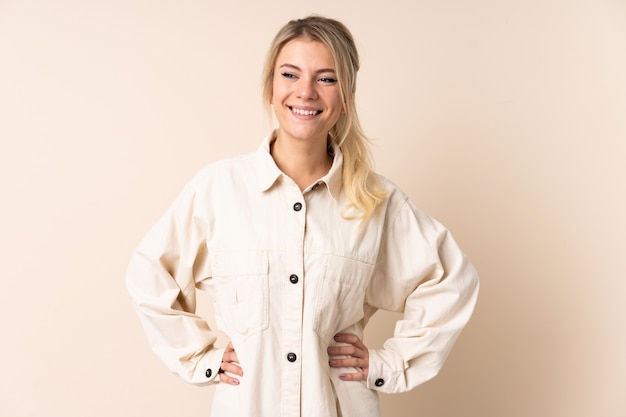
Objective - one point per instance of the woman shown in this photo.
(300, 243)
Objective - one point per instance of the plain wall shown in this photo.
(505, 120)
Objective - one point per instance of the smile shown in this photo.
(303, 112)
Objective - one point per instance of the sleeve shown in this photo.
(421, 272)
(161, 278)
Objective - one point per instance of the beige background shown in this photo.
(506, 120)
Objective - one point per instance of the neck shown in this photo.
(303, 162)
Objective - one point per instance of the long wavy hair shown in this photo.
(361, 187)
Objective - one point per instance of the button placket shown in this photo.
(295, 225)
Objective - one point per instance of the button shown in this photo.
(297, 206)
(317, 184)
(293, 278)
(208, 373)
(291, 357)
(379, 382)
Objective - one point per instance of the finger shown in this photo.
(350, 339)
(233, 368)
(355, 348)
(228, 379)
(348, 350)
(230, 357)
(348, 363)
(229, 354)
(358, 357)
(230, 366)
(355, 376)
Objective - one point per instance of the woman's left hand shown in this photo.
(358, 357)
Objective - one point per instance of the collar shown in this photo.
(269, 173)
(267, 170)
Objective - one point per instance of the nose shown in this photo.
(307, 88)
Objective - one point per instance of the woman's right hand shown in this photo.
(230, 365)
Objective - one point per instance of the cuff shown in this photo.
(207, 369)
(385, 371)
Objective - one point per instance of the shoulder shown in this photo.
(394, 195)
(399, 207)
(225, 170)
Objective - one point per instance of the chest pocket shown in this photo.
(340, 295)
(240, 283)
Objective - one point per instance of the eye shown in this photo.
(328, 80)
(288, 75)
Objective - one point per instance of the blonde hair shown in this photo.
(361, 186)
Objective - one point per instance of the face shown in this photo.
(306, 95)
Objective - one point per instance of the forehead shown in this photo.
(304, 52)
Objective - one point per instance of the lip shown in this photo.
(304, 112)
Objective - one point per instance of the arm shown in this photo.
(422, 273)
(161, 279)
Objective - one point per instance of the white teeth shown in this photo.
(304, 112)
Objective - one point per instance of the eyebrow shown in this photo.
(297, 68)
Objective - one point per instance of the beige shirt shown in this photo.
(287, 272)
